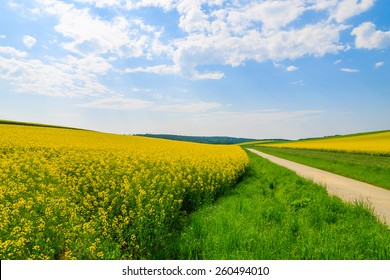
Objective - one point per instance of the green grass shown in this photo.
(274, 214)
(372, 169)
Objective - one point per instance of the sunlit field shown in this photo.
(74, 194)
(364, 156)
(273, 214)
(377, 143)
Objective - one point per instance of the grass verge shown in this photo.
(372, 169)
(275, 214)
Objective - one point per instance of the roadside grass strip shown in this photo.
(274, 214)
(369, 168)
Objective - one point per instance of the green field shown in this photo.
(275, 214)
(372, 169)
(78, 194)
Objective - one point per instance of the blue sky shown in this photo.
(261, 69)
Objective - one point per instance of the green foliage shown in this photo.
(274, 214)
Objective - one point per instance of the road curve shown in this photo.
(347, 189)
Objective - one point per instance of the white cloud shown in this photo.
(131, 4)
(165, 4)
(29, 41)
(368, 37)
(91, 34)
(164, 105)
(349, 70)
(189, 107)
(207, 75)
(299, 83)
(349, 8)
(25, 8)
(11, 51)
(292, 68)
(218, 32)
(230, 35)
(192, 18)
(274, 14)
(87, 33)
(88, 64)
(2, 36)
(141, 90)
(324, 4)
(66, 77)
(271, 15)
(158, 69)
(103, 3)
(118, 103)
(200, 49)
(379, 64)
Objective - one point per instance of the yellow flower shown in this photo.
(372, 143)
(84, 189)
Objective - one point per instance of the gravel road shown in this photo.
(347, 189)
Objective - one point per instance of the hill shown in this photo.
(37, 124)
(376, 142)
(200, 139)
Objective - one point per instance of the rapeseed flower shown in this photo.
(73, 194)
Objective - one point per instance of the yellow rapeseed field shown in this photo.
(73, 194)
(371, 143)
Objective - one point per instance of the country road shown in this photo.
(347, 189)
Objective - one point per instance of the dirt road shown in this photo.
(347, 189)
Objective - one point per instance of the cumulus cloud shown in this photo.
(274, 14)
(201, 49)
(66, 77)
(29, 41)
(367, 37)
(131, 4)
(87, 33)
(348, 8)
(214, 32)
(12, 52)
